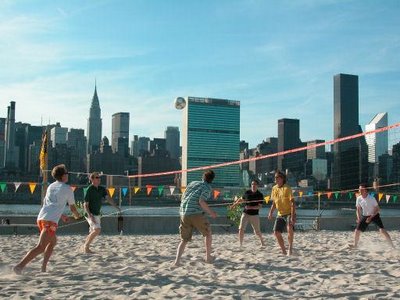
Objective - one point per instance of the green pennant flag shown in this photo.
(160, 190)
(350, 195)
(2, 186)
(336, 195)
(394, 198)
(85, 191)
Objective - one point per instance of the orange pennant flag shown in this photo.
(149, 189)
(73, 188)
(329, 194)
(267, 198)
(111, 191)
(216, 194)
(380, 196)
(32, 186)
(183, 189)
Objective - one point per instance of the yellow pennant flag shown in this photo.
(301, 193)
(380, 196)
(136, 189)
(319, 194)
(111, 191)
(267, 198)
(183, 189)
(32, 186)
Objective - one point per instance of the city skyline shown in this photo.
(145, 54)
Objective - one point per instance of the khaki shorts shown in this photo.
(93, 226)
(188, 223)
(254, 220)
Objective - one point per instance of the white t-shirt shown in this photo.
(57, 196)
(367, 204)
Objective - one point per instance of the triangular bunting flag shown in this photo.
(380, 195)
(124, 191)
(2, 186)
(387, 198)
(301, 193)
(395, 198)
(136, 189)
(73, 188)
(149, 188)
(309, 193)
(17, 184)
(267, 198)
(350, 195)
(111, 191)
(373, 194)
(85, 191)
(160, 190)
(171, 189)
(329, 195)
(336, 195)
(32, 186)
(183, 189)
(319, 194)
(216, 194)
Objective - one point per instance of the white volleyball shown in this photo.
(180, 103)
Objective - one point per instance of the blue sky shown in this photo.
(277, 57)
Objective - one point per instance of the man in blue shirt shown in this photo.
(191, 211)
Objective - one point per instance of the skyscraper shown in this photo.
(350, 165)
(377, 142)
(119, 129)
(289, 138)
(10, 154)
(211, 135)
(172, 137)
(94, 125)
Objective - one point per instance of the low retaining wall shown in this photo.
(170, 224)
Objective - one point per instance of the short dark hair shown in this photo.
(58, 172)
(363, 185)
(281, 175)
(255, 181)
(208, 176)
(93, 175)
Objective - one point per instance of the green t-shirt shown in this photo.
(94, 196)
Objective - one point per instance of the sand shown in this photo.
(140, 267)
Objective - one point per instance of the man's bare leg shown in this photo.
(290, 238)
(48, 252)
(387, 236)
(356, 238)
(89, 240)
(279, 238)
(208, 242)
(40, 247)
(179, 252)
(241, 236)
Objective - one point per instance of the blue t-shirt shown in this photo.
(195, 191)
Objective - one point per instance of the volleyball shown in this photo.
(180, 103)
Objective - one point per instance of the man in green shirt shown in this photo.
(93, 198)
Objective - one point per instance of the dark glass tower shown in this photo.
(94, 124)
(289, 138)
(350, 166)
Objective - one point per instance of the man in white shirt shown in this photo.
(58, 194)
(367, 211)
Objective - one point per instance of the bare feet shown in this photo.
(290, 252)
(87, 250)
(17, 270)
(210, 259)
(43, 269)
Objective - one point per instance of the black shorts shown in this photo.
(281, 223)
(363, 225)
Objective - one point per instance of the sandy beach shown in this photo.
(140, 267)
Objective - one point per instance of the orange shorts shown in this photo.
(49, 226)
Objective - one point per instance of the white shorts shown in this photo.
(93, 226)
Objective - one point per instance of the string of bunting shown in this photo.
(148, 189)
